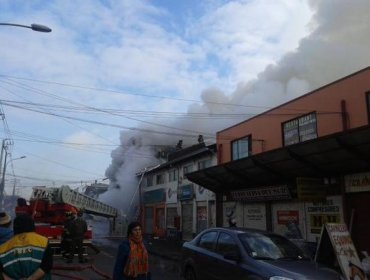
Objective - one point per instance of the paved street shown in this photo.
(163, 257)
(162, 269)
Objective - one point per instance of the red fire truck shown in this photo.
(48, 207)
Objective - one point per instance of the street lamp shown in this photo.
(33, 26)
(3, 178)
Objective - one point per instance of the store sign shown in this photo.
(311, 189)
(262, 194)
(320, 213)
(359, 182)
(284, 217)
(186, 192)
(337, 238)
(171, 195)
(156, 196)
(254, 215)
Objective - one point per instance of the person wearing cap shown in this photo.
(5, 231)
(27, 255)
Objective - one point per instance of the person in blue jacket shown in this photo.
(5, 231)
(132, 261)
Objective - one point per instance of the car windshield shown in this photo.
(270, 247)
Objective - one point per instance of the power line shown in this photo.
(152, 113)
(106, 124)
(108, 112)
(128, 93)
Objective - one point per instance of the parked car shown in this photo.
(248, 254)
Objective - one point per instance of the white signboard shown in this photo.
(344, 250)
(319, 213)
(285, 213)
(254, 215)
(359, 182)
(171, 195)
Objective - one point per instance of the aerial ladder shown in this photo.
(48, 207)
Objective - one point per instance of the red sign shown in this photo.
(284, 217)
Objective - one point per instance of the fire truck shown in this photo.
(48, 207)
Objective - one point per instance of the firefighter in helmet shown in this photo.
(66, 235)
(78, 229)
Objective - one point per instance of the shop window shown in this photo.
(300, 129)
(160, 179)
(204, 164)
(172, 175)
(240, 148)
(187, 168)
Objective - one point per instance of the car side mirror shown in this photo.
(233, 256)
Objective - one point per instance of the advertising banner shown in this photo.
(319, 213)
(262, 194)
(359, 182)
(344, 250)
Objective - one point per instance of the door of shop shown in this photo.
(148, 220)
(187, 221)
(160, 230)
(358, 207)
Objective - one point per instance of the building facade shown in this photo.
(305, 162)
(173, 206)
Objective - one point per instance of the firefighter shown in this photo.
(78, 229)
(66, 234)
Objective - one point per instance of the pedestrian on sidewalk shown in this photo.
(132, 262)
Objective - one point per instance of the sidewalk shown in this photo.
(168, 249)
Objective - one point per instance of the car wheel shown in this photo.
(190, 274)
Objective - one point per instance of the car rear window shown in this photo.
(208, 240)
(226, 244)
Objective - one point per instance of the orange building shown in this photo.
(305, 162)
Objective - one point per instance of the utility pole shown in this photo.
(2, 184)
(2, 151)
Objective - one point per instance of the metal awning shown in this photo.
(341, 153)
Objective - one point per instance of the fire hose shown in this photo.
(78, 268)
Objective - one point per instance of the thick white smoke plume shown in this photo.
(338, 45)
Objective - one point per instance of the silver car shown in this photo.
(248, 254)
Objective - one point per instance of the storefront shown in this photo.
(357, 201)
(154, 213)
(186, 195)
